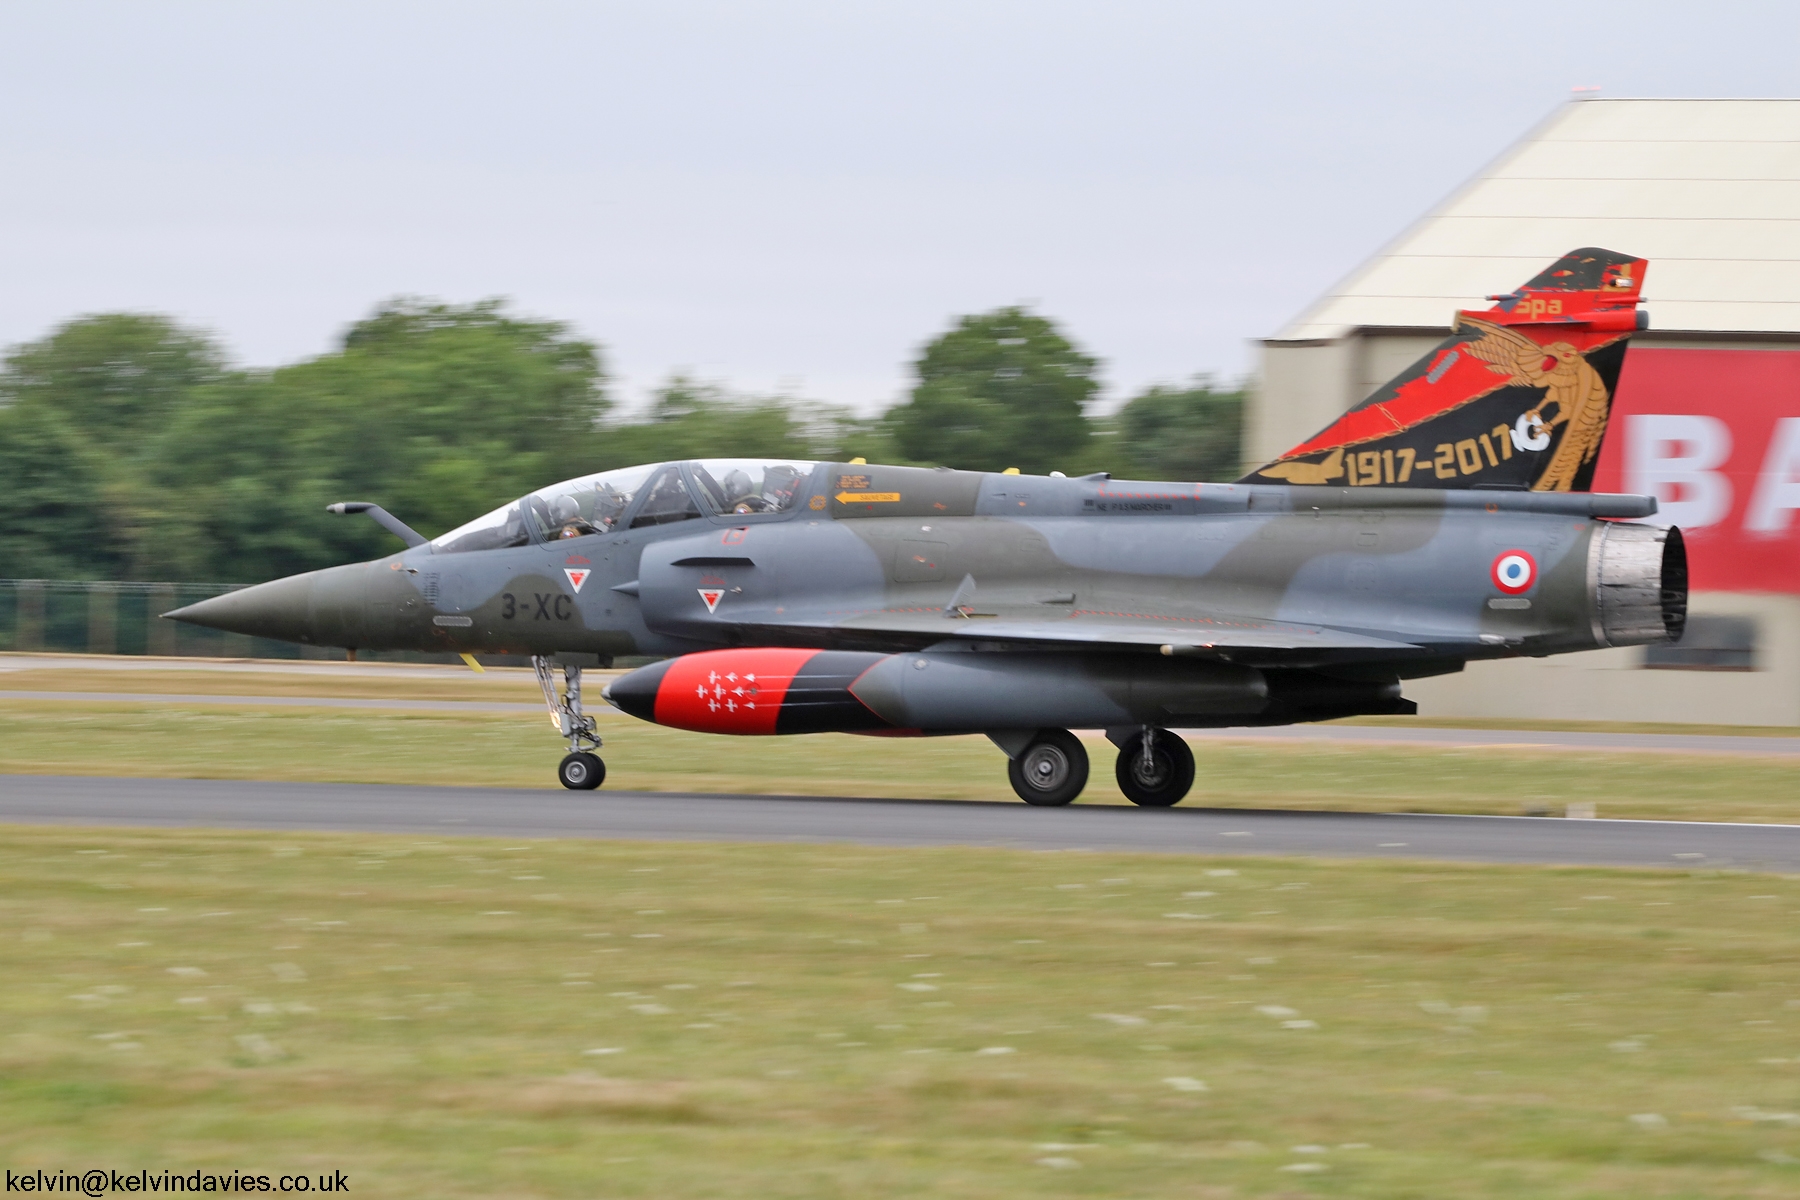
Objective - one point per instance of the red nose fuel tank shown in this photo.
(758, 690)
(768, 690)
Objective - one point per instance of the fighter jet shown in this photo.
(1444, 520)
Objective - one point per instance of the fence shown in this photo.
(105, 616)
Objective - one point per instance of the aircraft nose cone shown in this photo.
(279, 609)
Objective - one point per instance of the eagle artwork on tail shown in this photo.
(1515, 398)
(1569, 383)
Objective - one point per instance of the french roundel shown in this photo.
(1514, 572)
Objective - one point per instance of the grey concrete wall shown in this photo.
(1612, 685)
(1381, 356)
(1302, 387)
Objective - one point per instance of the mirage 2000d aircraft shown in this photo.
(1444, 519)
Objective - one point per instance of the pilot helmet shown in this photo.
(736, 484)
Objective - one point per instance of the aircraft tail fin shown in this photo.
(1517, 397)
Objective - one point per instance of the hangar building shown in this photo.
(1707, 413)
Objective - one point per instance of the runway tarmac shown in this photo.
(523, 813)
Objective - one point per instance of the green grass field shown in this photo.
(481, 1018)
(122, 738)
(471, 1017)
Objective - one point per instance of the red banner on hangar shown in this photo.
(1714, 435)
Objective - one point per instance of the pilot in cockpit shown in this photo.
(565, 518)
(739, 492)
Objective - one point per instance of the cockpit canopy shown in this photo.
(633, 497)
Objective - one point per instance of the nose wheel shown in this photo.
(581, 769)
(1155, 768)
(1051, 769)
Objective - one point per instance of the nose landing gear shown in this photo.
(580, 770)
(1155, 768)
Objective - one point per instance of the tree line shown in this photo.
(130, 448)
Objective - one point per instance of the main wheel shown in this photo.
(581, 771)
(1051, 770)
(1162, 781)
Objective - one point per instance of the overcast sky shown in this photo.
(783, 195)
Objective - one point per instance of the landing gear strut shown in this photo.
(1050, 770)
(581, 769)
(1155, 768)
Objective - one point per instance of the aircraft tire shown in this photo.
(1170, 778)
(1050, 771)
(581, 771)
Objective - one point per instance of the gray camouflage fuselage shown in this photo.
(1088, 601)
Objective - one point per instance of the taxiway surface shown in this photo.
(658, 816)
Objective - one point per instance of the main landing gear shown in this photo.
(1155, 768)
(1050, 769)
(581, 769)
